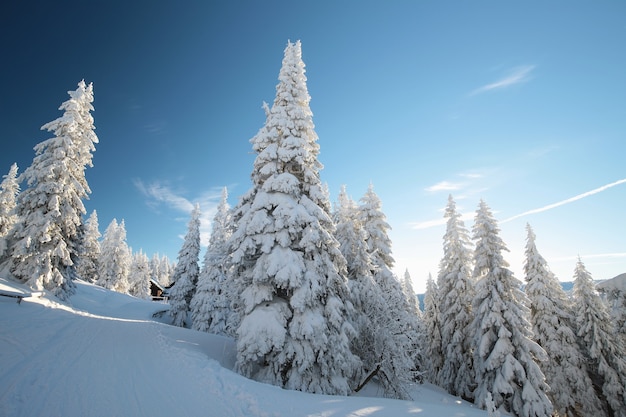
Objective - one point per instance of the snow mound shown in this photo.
(617, 283)
(105, 355)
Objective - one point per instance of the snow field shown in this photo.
(107, 356)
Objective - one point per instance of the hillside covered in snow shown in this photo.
(104, 354)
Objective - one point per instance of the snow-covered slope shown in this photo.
(617, 283)
(105, 355)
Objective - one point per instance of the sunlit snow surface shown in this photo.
(614, 284)
(105, 355)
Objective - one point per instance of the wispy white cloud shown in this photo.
(443, 186)
(156, 127)
(472, 175)
(516, 76)
(438, 222)
(160, 194)
(468, 186)
(469, 182)
(567, 201)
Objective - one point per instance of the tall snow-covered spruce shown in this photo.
(44, 242)
(600, 343)
(432, 327)
(294, 331)
(211, 305)
(115, 258)
(375, 344)
(456, 293)
(139, 275)
(400, 357)
(89, 253)
(187, 271)
(9, 190)
(504, 356)
(571, 392)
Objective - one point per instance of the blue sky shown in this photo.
(522, 104)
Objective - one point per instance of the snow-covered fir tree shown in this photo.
(82, 133)
(366, 295)
(409, 293)
(614, 294)
(374, 344)
(166, 271)
(294, 331)
(456, 294)
(571, 392)
(161, 270)
(9, 189)
(155, 269)
(187, 271)
(618, 313)
(44, 242)
(600, 343)
(139, 275)
(115, 258)
(211, 304)
(401, 326)
(89, 252)
(236, 281)
(416, 327)
(504, 354)
(432, 326)
(376, 228)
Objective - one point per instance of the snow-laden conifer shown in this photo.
(139, 275)
(187, 271)
(416, 327)
(456, 294)
(161, 270)
(44, 242)
(350, 234)
(89, 252)
(366, 295)
(599, 342)
(402, 327)
(294, 331)
(155, 273)
(432, 326)
(504, 356)
(571, 392)
(115, 258)
(376, 229)
(236, 282)
(211, 305)
(409, 293)
(615, 298)
(374, 344)
(166, 271)
(9, 189)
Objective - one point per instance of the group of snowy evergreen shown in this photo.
(308, 290)
(44, 241)
(531, 352)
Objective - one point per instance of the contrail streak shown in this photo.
(569, 200)
(519, 75)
